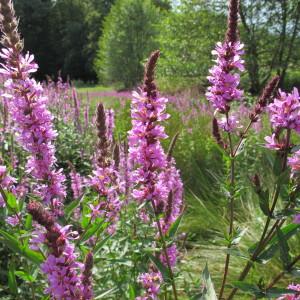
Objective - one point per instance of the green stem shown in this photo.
(164, 246)
(231, 210)
(265, 237)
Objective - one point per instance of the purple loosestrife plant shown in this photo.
(223, 90)
(27, 105)
(61, 268)
(224, 78)
(105, 178)
(155, 180)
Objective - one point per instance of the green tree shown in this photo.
(35, 27)
(187, 36)
(270, 30)
(97, 10)
(128, 38)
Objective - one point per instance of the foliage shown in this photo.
(128, 38)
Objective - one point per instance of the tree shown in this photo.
(35, 27)
(97, 10)
(270, 30)
(128, 38)
(187, 36)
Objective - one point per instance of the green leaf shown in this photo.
(101, 244)
(12, 282)
(208, 287)
(284, 177)
(277, 292)
(236, 252)
(264, 202)
(12, 202)
(241, 147)
(247, 287)
(284, 248)
(92, 230)
(71, 207)
(106, 293)
(287, 232)
(28, 222)
(25, 276)
(277, 165)
(174, 227)
(10, 241)
(295, 273)
(161, 267)
(132, 294)
(33, 256)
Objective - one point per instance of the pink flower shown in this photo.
(294, 163)
(230, 124)
(274, 143)
(172, 256)
(285, 111)
(224, 81)
(14, 220)
(33, 123)
(151, 283)
(109, 206)
(76, 184)
(6, 183)
(295, 287)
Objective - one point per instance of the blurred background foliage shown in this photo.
(107, 41)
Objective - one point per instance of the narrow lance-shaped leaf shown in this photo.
(208, 287)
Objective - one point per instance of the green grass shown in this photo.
(95, 88)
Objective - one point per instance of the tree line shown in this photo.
(108, 40)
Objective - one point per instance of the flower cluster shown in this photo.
(103, 181)
(173, 205)
(61, 266)
(110, 123)
(33, 124)
(76, 184)
(6, 183)
(295, 287)
(151, 283)
(105, 176)
(154, 177)
(224, 81)
(285, 111)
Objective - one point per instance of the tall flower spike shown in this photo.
(103, 144)
(232, 31)
(104, 178)
(32, 119)
(149, 85)
(265, 97)
(223, 77)
(60, 266)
